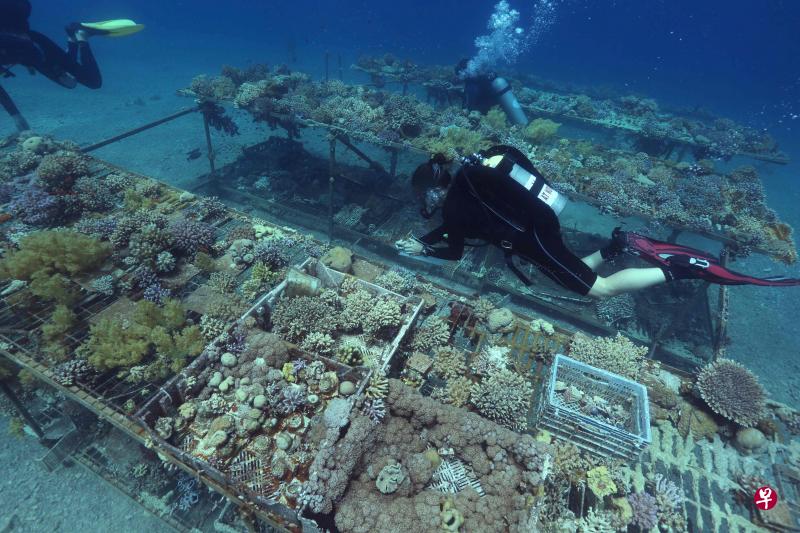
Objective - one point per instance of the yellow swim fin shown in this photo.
(112, 28)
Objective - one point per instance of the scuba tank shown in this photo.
(509, 103)
(533, 182)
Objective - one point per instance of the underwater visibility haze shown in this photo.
(515, 265)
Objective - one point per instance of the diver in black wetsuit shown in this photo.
(484, 91)
(19, 45)
(500, 197)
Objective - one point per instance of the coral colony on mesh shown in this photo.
(263, 343)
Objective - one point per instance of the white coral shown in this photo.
(492, 358)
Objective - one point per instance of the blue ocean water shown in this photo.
(738, 59)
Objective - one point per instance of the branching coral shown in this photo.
(491, 359)
(504, 396)
(449, 363)
(296, 317)
(383, 317)
(58, 172)
(148, 242)
(319, 343)
(596, 522)
(615, 354)
(645, 510)
(191, 236)
(435, 333)
(458, 391)
(732, 391)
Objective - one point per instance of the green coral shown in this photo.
(47, 258)
(54, 330)
(541, 130)
(133, 201)
(455, 140)
(205, 262)
(496, 119)
(125, 343)
(66, 252)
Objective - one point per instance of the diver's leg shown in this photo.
(85, 67)
(630, 279)
(594, 260)
(12, 110)
(62, 67)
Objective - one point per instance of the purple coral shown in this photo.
(294, 397)
(190, 236)
(667, 494)
(375, 409)
(37, 208)
(143, 277)
(272, 253)
(99, 227)
(156, 293)
(236, 341)
(645, 510)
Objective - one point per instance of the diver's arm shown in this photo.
(433, 237)
(452, 252)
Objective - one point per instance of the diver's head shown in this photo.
(430, 183)
(14, 15)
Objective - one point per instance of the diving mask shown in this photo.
(434, 199)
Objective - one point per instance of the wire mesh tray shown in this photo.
(601, 412)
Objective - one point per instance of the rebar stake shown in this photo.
(327, 61)
(722, 312)
(209, 146)
(341, 72)
(331, 180)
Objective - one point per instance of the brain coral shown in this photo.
(732, 391)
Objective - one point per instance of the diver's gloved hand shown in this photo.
(410, 246)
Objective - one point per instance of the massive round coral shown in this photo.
(732, 391)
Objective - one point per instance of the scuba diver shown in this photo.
(500, 197)
(484, 91)
(19, 45)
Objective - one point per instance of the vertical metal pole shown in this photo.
(331, 180)
(341, 72)
(722, 312)
(21, 408)
(209, 147)
(327, 61)
(405, 88)
(393, 162)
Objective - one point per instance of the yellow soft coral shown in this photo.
(541, 130)
(599, 481)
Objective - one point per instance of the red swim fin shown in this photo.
(684, 262)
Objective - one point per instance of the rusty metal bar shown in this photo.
(140, 129)
(327, 64)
